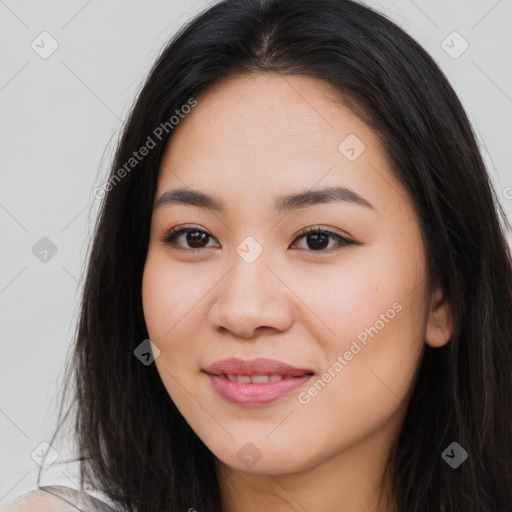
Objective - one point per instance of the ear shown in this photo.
(440, 321)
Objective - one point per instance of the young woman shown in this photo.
(299, 292)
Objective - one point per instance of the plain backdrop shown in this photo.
(60, 117)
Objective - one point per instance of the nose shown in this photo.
(252, 299)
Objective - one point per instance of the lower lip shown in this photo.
(254, 394)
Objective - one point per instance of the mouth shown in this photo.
(256, 382)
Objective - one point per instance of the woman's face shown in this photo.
(243, 282)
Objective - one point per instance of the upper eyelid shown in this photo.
(303, 231)
(179, 230)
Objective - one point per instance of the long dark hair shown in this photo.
(132, 442)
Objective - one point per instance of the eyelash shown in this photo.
(172, 234)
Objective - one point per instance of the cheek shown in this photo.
(373, 308)
(156, 298)
(379, 292)
(353, 299)
(168, 297)
(169, 294)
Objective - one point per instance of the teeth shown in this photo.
(246, 379)
(260, 378)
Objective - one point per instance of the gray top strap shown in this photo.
(80, 500)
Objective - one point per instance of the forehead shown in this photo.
(259, 136)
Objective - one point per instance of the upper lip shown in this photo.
(260, 366)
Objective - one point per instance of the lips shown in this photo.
(255, 367)
(256, 382)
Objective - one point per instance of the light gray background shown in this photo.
(57, 117)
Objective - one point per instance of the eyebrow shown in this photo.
(283, 203)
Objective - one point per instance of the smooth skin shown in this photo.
(250, 140)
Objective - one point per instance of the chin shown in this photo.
(266, 458)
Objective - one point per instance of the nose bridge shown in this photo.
(249, 277)
(250, 295)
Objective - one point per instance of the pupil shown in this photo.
(195, 236)
(315, 243)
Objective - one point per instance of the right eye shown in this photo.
(195, 237)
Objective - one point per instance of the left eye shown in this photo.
(317, 239)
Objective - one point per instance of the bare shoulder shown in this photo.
(55, 499)
(37, 501)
